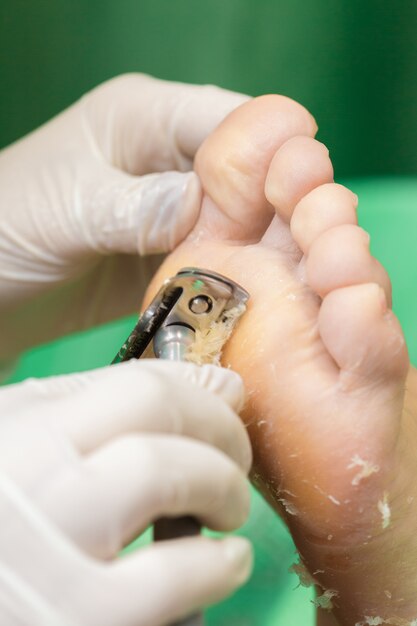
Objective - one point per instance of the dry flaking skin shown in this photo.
(325, 600)
(304, 576)
(384, 509)
(288, 506)
(208, 344)
(391, 621)
(367, 469)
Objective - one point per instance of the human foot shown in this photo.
(323, 359)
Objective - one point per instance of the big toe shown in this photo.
(234, 161)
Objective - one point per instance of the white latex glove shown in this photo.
(84, 195)
(87, 462)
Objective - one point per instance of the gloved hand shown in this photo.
(87, 461)
(84, 195)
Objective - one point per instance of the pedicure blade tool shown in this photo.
(194, 300)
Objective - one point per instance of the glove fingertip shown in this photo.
(239, 553)
(168, 209)
(225, 383)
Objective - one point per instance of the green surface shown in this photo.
(388, 210)
(351, 62)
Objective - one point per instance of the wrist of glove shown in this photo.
(81, 198)
(95, 459)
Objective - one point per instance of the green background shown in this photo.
(352, 63)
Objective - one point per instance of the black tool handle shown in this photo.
(173, 528)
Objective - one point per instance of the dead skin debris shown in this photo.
(208, 344)
(389, 621)
(384, 509)
(367, 469)
(304, 576)
(325, 600)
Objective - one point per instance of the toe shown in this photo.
(362, 335)
(298, 167)
(233, 163)
(340, 257)
(323, 208)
